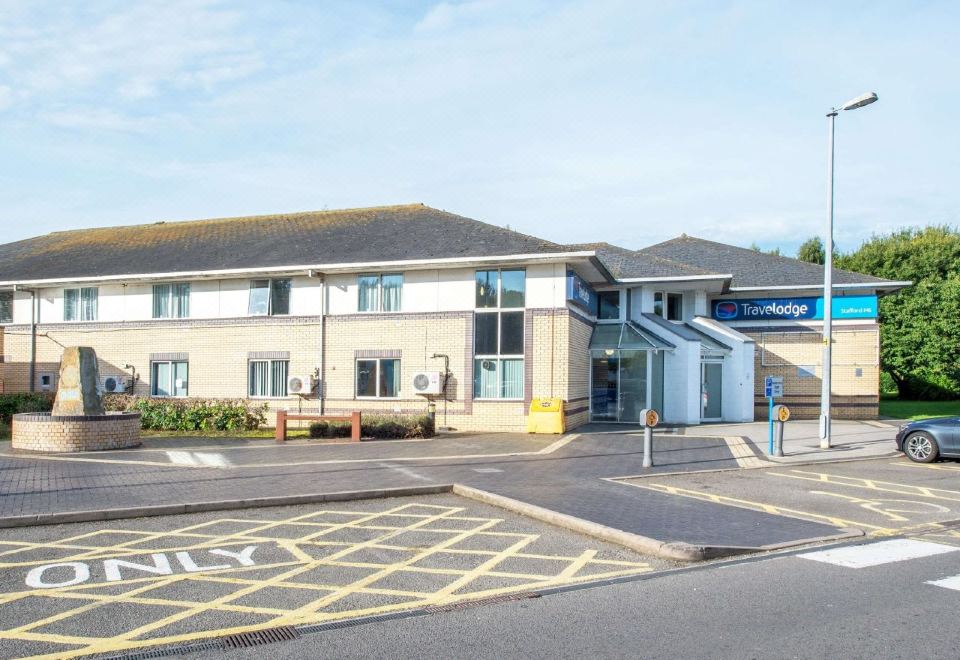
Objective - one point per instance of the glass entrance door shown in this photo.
(618, 385)
(711, 389)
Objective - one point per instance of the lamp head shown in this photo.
(860, 101)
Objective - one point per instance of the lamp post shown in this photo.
(852, 104)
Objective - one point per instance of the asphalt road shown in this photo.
(784, 606)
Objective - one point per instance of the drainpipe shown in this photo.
(321, 381)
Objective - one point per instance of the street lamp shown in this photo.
(852, 104)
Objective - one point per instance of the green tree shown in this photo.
(812, 251)
(920, 331)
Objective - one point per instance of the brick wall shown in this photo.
(46, 433)
(217, 351)
(795, 354)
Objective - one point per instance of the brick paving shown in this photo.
(569, 480)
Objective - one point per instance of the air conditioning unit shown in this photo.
(427, 382)
(300, 384)
(114, 384)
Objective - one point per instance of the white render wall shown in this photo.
(439, 290)
(738, 370)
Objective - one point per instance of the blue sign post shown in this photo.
(772, 388)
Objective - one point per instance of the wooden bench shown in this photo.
(283, 417)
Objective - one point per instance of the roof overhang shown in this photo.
(881, 288)
(319, 270)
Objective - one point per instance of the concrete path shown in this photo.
(801, 439)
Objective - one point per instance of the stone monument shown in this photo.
(78, 421)
(78, 390)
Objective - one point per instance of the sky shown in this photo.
(577, 121)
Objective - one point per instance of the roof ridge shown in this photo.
(263, 216)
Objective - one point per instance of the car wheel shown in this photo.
(921, 447)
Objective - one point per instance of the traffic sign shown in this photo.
(773, 387)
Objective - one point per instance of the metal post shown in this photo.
(647, 446)
(827, 302)
(770, 424)
(778, 441)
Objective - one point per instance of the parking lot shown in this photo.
(87, 588)
(880, 497)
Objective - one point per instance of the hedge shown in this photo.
(380, 427)
(23, 402)
(191, 414)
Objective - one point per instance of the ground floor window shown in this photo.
(268, 378)
(169, 378)
(498, 378)
(378, 378)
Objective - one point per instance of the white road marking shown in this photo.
(407, 472)
(947, 583)
(196, 459)
(877, 554)
(487, 470)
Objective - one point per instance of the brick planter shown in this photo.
(44, 432)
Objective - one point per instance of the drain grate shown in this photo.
(478, 602)
(258, 637)
(167, 651)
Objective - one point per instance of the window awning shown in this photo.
(626, 336)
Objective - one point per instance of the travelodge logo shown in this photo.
(725, 311)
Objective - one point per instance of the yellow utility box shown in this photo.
(546, 416)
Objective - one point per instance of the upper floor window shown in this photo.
(269, 297)
(609, 302)
(668, 305)
(501, 288)
(379, 292)
(6, 306)
(80, 304)
(171, 301)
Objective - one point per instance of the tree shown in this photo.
(756, 248)
(812, 251)
(920, 333)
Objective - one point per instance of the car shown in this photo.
(926, 440)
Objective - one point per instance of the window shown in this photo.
(673, 311)
(6, 306)
(269, 297)
(268, 378)
(379, 293)
(498, 334)
(80, 304)
(168, 379)
(609, 305)
(379, 378)
(171, 301)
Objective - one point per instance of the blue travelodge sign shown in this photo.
(580, 293)
(793, 309)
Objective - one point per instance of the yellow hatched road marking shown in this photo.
(872, 484)
(755, 506)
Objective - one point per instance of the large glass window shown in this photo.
(498, 334)
(609, 305)
(171, 301)
(379, 293)
(269, 297)
(6, 306)
(169, 379)
(268, 378)
(378, 378)
(80, 304)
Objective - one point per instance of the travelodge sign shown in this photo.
(793, 309)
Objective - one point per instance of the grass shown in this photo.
(259, 433)
(916, 410)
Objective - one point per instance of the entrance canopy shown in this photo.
(626, 336)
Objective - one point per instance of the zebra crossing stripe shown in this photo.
(877, 554)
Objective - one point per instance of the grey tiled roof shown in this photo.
(629, 264)
(749, 267)
(388, 233)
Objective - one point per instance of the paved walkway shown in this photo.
(568, 474)
(801, 439)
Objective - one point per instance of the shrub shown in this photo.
(191, 414)
(377, 426)
(23, 402)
